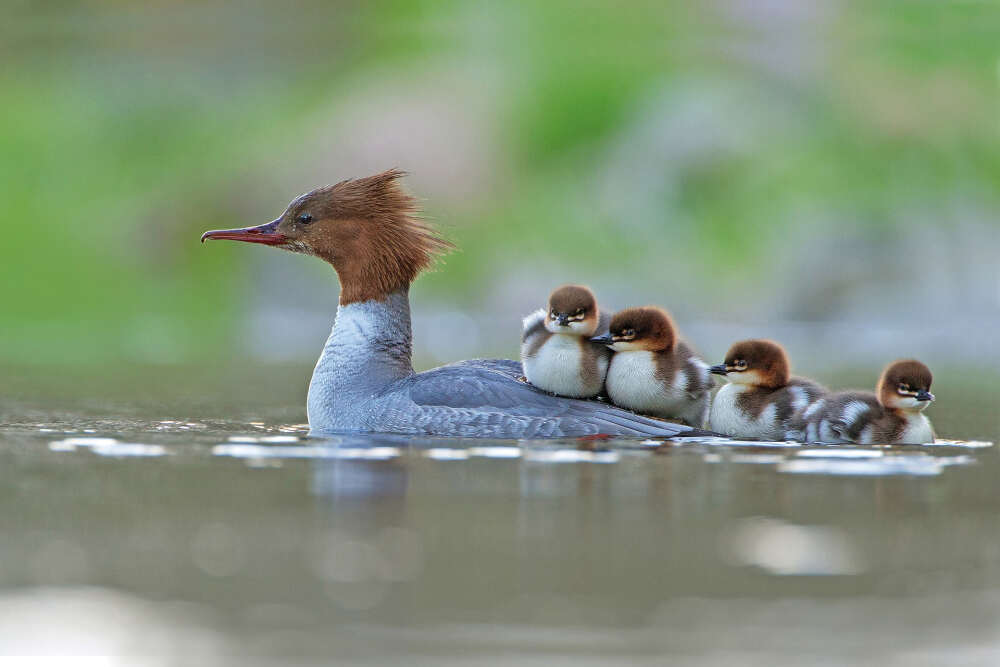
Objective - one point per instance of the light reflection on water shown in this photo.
(213, 538)
(797, 458)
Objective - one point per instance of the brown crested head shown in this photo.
(762, 363)
(905, 384)
(644, 328)
(367, 228)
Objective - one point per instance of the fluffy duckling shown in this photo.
(893, 415)
(651, 371)
(556, 352)
(760, 399)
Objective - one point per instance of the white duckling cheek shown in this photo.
(908, 403)
(743, 377)
(911, 403)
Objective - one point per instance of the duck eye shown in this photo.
(305, 218)
(579, 311)
(741, 364)
(903, 388)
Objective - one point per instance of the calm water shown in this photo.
(189, 523)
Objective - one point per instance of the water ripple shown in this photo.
(918, 465)
(254, 451)
(264, 445)
(107, 447)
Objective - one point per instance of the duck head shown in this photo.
(368, 229)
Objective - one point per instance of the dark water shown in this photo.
(136, 524)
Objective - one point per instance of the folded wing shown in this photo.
(485, 397)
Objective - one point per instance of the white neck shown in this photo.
(369, 348)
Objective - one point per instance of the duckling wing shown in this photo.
(847, 414)
(533, 325)
(485, 398)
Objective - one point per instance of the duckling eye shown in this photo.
(628, 333)
(579, 311)
(740, 364)
(903, 388)
(305, 218)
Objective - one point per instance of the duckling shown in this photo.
(893, 415)
(651, 371)
(556, 351)
(760, 399)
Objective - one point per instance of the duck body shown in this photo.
(364, 382)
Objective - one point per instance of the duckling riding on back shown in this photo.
(556, 350)
(652, 371)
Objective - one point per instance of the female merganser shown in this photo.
(891, 416)
(556, 351)
(653, 372)
(760, 399)
(368, 230)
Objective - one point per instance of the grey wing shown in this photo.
(840, 428)
(484, 398)
(846, 423)
(506, 366)
(699, 382)
(802, 404)
(813, 389)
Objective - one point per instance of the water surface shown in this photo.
(138, 527)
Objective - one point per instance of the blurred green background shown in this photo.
(823, 173)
